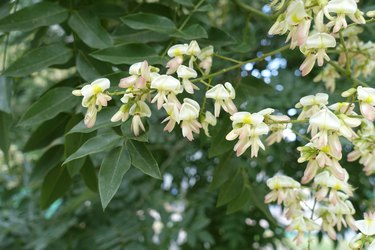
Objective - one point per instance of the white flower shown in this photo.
(298, 22)
(93, 96)
(122, 114)
(367, 226)
(223, 97)
(315, 48)
(206, 58)
(140, 75)
(95, 90)
(366, 97)
(173, 116)
(323, 121)
(185, 73)
(138, 110)
(283, 188)
(247, 127)
(311, 104)
(189, 114)
(193, 49)
(176, 52)
(165, 85)
(342, 8)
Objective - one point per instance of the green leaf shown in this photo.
(219, 144)
(5, 9)
(229, 190)
(5, 126)
(251, 86)
(187, 3)
(52, 103)
(241, 201)
(95, 145)
(128, 54)
(88, 174)
(194, 31)
(151, 22)
(5, 94)
(107, 10)
(36, 15)
(47, 132)
(143, 159)
(87, 26)
(103, 120)
(219, 38)
(72, 142)
(55, 184)
(89, 68)
(111, 172)
(50, 159)
(125, 35)
(223, 172)
(38, 59)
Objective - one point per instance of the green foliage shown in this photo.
(54, 192)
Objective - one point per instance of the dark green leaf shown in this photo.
(89, 68)
(47, 132)
(88, 174)
(152, 22)
(229, 190)
(5, 9)
(52, 103)
(72, 143)
(241, 201)
(187, 3)
(5, 125)
(126, 35)
(251, 86)
(95, 145)
(38, 59)
(50, 159)
(219, 144)
(224, 171)
(143, 159)
(194, 31)
(87, 26)
(36, 15)
(218, 38)
(107, 10)
(111, 172)
(5, 94)
(55, 184)
(103, 120)
(128, 54)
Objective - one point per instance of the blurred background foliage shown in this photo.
(207, 198)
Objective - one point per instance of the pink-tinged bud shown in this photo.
(321, 194)
(310, 172)
(308, 64)
(128, 81)
(354, 155)
(173, 64)
(337, 170)
(303, 31)
(90, 116)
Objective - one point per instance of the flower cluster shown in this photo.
(145, 85)
(328, 180)
(249, 127)
(326, 19)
